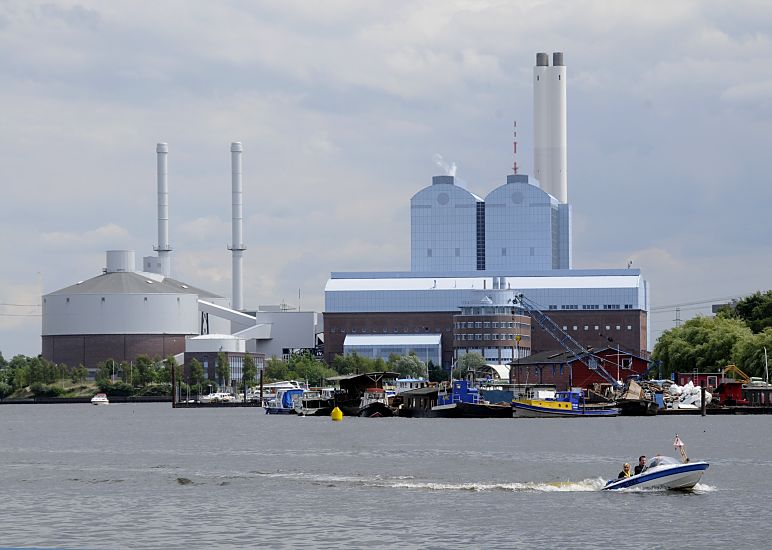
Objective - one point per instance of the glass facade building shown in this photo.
(427, 347)
(526, 228)
(445, 223)
(517, 227)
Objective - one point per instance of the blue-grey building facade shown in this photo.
(447, 225)
(517, 227)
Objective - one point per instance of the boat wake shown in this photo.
(527, 487)
(410, 483)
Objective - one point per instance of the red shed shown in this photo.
(731, 393)
(566, 370)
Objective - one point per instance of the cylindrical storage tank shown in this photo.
(67, 313)
(120, 261)
(541, 117)
(557, 146)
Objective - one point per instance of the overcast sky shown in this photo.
(341, 106)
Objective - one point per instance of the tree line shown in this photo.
(737, 335)
(146, 376)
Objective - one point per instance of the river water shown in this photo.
(149, 476)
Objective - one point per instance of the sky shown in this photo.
(343, 108)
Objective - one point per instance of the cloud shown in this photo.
(340, 110)
(106, 235)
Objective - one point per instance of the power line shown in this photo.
(21, 305)
(705, 301)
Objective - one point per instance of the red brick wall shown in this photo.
(337, 325)
(90, 349)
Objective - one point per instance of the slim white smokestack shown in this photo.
(164, 249)
(541, 114)
(237, 248)
(550, 143)
(558, 142)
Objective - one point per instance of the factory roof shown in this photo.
(555, 279)
(392, 339)
(131, 282)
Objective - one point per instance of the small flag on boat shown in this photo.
(678, 444)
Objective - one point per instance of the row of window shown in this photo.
(491, 324)
(492, 310)
(437, 330)
(597, 327)
(487, 336)
(590, 306)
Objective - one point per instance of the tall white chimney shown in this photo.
(550, 136)
(558, 138)
(541, 114)
(164, 249)
(237, 247)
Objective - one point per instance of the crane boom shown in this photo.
(565, 340)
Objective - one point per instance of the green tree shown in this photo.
(408, 366)
(250, 370)
(39, 389)
(5, 390)
(170, 364)
(104, 370)
(703, 343)
(142, 372)
(756, 310)
(223, 369)
(468, 362)
(748, 353)
(304, 366)
(196, 375)
(436, 372)
(79, 374)
(276, 369)
(356, 364)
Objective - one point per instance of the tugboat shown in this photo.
(559, 404)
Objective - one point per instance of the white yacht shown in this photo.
(100, 399)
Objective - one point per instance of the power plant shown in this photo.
(470, 256)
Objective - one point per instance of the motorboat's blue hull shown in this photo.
(678, 477)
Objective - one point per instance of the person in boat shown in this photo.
(641, 464)
(625, 471)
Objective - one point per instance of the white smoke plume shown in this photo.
(450, 169)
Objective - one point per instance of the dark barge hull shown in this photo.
(636, 407)
(472, 410)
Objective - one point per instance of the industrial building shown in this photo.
(472, 255)
(128, 311)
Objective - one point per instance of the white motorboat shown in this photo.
(100, 399)
(664, 472)
(217, 397)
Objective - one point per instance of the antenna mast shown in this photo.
(514, 147)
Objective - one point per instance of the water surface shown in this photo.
(148, 476)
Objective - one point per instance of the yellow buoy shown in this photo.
(337, 414)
